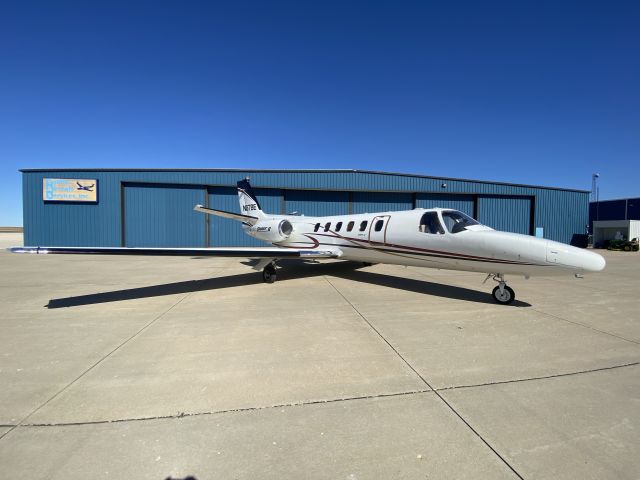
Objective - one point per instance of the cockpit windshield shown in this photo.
(457, 221)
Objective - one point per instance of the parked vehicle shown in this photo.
(624, 245)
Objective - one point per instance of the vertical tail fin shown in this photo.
(249, 204)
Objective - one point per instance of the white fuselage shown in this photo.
(398, 238)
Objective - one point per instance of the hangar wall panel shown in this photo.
(316, 202)
(370, 202)
(157, 215)
(611, 210)
(633, 209)
(561, 213)
(71, 224)
(463, 203)
(509, 214)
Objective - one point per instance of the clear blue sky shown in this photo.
(541, 92)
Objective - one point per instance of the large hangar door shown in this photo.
(371, 202)
(316, 203)
(509, 214)
(159, 215)
(224, 232)
(462, 203)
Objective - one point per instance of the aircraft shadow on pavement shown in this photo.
(291, 270)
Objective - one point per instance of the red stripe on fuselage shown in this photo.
(461, 256)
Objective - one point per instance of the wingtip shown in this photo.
(23, 249)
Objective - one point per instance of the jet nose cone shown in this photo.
(594, 262)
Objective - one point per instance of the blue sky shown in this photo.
(540, 92)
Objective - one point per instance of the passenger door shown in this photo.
(378, 229)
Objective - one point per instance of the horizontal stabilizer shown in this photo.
(239, 252)
(222, 213)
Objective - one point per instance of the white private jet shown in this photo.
(435, 237)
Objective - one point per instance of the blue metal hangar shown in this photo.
(154, 208)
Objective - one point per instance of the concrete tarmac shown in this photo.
(134, 367)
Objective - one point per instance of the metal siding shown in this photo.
(72, 224)
(463, 203)
(224, 232)
(562, 213)
(612, 210)
(163, 216)
(633, 209)
(316, 203)
(508, 214)
(370, 202)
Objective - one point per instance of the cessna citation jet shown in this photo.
(435, 237)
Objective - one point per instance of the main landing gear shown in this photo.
(502, 294)
(269, 273)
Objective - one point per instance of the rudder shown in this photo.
(249, 204)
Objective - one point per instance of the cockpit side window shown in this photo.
(430, 223)
(457, 221)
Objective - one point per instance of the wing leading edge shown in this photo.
(239, 252)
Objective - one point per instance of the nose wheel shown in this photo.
(269, 273)
(502, 294)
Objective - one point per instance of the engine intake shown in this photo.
(271, 230)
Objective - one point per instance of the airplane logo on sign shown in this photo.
(88, 188)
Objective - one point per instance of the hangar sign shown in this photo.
(69, 190)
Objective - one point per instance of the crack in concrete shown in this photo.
(544, 377)
(220, 412)
(312, 402)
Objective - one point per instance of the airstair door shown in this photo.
(378, 229)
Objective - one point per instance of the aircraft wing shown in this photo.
(239, 252)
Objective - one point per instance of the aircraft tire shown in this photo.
(508, 296)
(269, 274)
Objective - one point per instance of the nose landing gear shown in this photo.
(502, 294)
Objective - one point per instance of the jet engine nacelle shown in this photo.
(271, 230)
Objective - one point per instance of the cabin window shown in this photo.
(327, 226)
(378, 225)
(363, 225)
(457, 221)
(338, 226)
(350, 226)
(430, 223)
(317, 227)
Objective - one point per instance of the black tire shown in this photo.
(269, 274)
(508, 297)
(627, 248)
